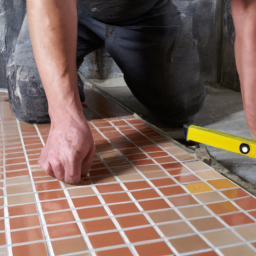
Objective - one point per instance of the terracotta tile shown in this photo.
(234, 193)
(86, 201)
(123, 208)
(132, 177)
(209, 175)
(24, 222)
(199, 187)
(123, 170)
(48, 186)
(36, 249)
(124, 145)
(248, 203)
(2, 239)
(63, 230)
(98, 225)
(197, 166)
(98, 166)
(130, 151)
(163, 182)
(237, 219)
(155, 204)
(141, 234)
(109, 188)
(149, 168)
(209, 197)
(151, 149)
(157, 154)
(144, 143)
(103, 180)
(253, 214)
(194, 211)
(115, 198)
(253, 244)
(163, 160)
(115, 252)
(222, 237)
(149, 193)
(58, 217)
(223, 207)
(104, 240)
(132, 221)
(137, 185)
(93, 212)
(143, 162)
(153, 249)
(39, 174)
(51, 195)
(22, 209)
(28, 235)
(100, 172)
(183, 200)
(189, 244)
(206, 224)
(171, 191)
(46, 178)
(17, 189)
(238, 250)
(21, 199)
(164, 216)
(153, 175)
(54, 205)
(110, 154)
(2, 226)
(70, 245)
(247, 232)
(137, 157)
(104, 148)
(187, 178)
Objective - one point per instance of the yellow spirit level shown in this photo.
(221, 140)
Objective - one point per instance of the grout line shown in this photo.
(39, 208)
(6, 213)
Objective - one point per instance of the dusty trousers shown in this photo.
(162, 72)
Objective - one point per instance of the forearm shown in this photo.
(244, 16)
(53, 32)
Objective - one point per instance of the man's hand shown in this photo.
(69, 150)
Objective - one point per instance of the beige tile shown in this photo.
(110, 154)
(175, 150)
(131, 177)
(194, 211)
(21, 199)
(197, 166)
(159, 174)
(222, 237)
(238, 251)
(83, 191)
(18, 180)
(175, 229)
(164, 216)
(209, 197)
(104, 180)
(210, 174)
(17, 189)
(247, 232)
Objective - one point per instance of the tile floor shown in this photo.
(143, 196)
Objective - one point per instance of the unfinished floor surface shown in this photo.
(143, 196)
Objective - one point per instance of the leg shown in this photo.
(163, 77)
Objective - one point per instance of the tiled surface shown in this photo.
(143, 196)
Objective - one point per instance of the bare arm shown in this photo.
(244, 16)
(53, 31)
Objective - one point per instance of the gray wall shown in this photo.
(207, 22)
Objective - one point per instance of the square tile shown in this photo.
(22, 210)
(197, 166)
(145, 194)
(116, 198)
(28, 235)
(20, 199)
(115, 252)
(63, 230)
(70, 245)
(184, 179)
(238, 250)
(153, 249)
(56, 205)
(164, 216)
(209, 175)
(206, 224)
(2, 239)
(53, 185)
(51, 195)
(132, 221)
(237, 219)
(172, 191)
(223, 207)
(58, 217)
(93, 212)
(189, 244)
(163, 182)
(183, 200)
(155, 204)
(104, 240)
(137, 185)
(194, 212)
(141, 234)
(222, 184)
(85, 201)
(209, 197)
(234, 193)
(24, 222)
(175, 229)
(123, 208)
(199, 187)
(35, 249)
(248, 203)
(18, 189)
(109, 188)
(247, 232)
(98, 225)
(158, 174)
(222, 237)
(150, 168)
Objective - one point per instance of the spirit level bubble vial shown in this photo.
(221, 140)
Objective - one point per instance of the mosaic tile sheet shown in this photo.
(144, 196)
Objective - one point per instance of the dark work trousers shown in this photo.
(160, 68)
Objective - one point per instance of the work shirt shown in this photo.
(109, 11)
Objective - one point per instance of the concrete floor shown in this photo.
(222, 111)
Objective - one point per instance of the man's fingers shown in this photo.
(73, 171)
(86, 164)
(46, 166)
(58, 169)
